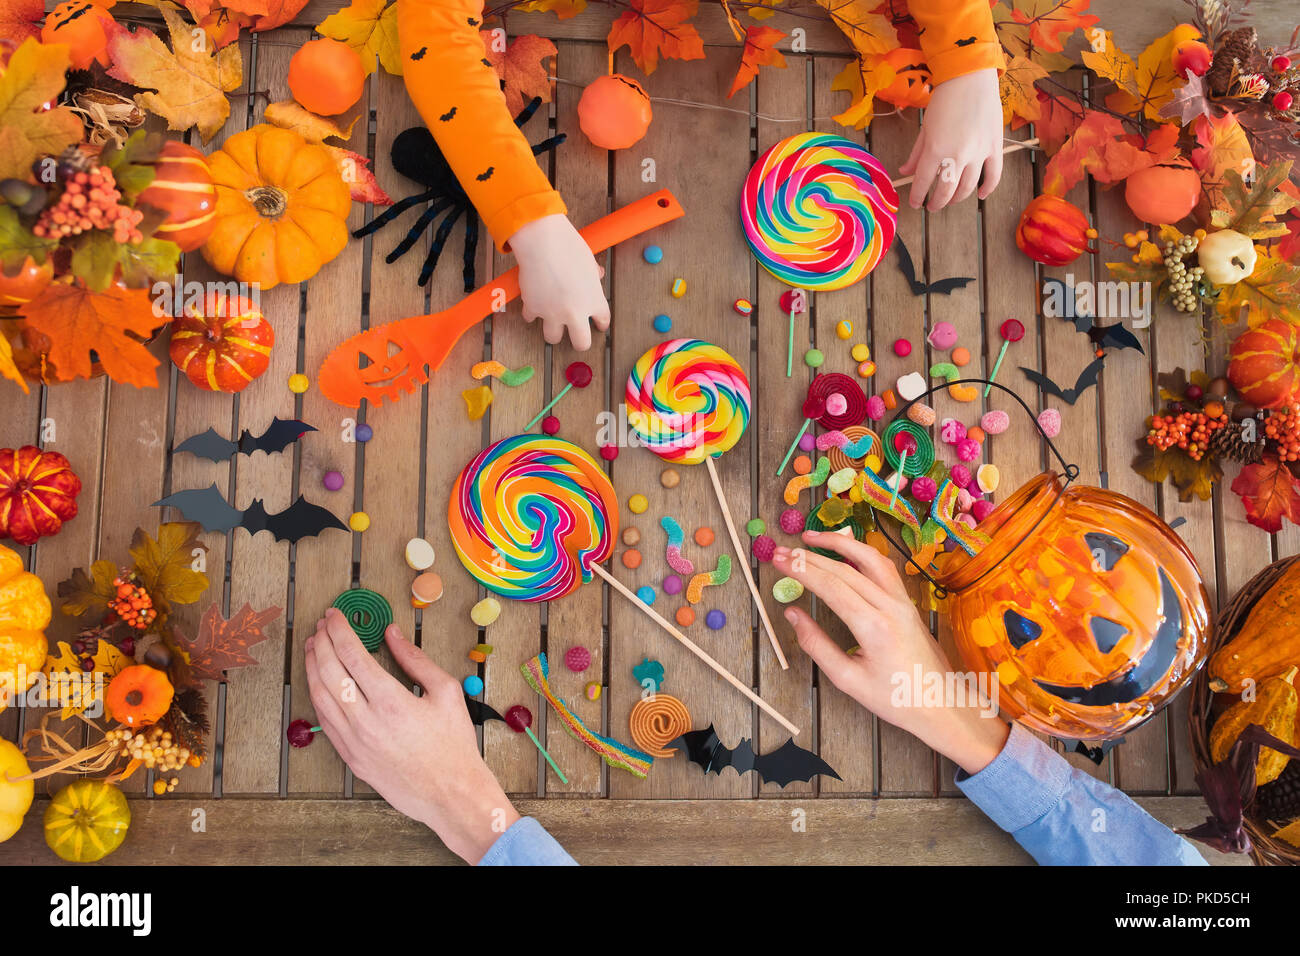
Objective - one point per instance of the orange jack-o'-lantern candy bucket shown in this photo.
(1088, 608)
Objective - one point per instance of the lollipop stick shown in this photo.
(742, 558)
(793, 445)
(695, 649)
(789, 348)
(902, 463)
(996, 365)
(1008, 148)
(551, 404)
(538, 744)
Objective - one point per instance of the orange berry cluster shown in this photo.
(1189, 430)
(132, 604)
(1131, 239)
(1283, 429)
(90, 201)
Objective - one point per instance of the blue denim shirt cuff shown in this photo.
(1024, 782)
(526, 843)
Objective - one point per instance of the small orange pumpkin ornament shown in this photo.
(138, 696)
(1052, 231)
(614, 111)
(38, 492)
(24, 615)
(223, 346)
(281, 207)
(182, 188)
(1264, 364)
(26, 283)
(326, 76)
(1163, 194)
(912, 80)
(79, 25)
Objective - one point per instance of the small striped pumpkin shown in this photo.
(225, 349)
(86, 821)
(182, 187)
(1264, 364)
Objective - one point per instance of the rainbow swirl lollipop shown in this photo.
(687, 399)
(530, 515)
(819, 211)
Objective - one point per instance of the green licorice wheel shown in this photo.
(369, 614)
(917, 464)
(815, 523)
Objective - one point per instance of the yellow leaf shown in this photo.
(564, 9)
(314, 129)
(28, 131)
(165, 567)
(869, 33)
(191, 82)
(7, 367)
(1155, 78)
(1271, 291)
(1016, 87)
(1109, 62)
(82, 693)
(863, 79)
(370, 28)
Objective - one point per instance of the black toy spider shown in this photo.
(417, 157)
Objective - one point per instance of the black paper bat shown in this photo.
(213, 447)
(480, 713)
(1087, 379)
(946, 286)
(784, 764)
(208, 506)
(1103, 336)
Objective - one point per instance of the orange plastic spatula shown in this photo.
(399, 355)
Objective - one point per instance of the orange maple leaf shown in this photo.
(1100, 147)
(20, 19)
(1268, 490)
(112, 324)
(760, 50)
(654, 28)
(522, 68)
(1051, 21)
(223, 645)
(356, 172)
(1221, 145)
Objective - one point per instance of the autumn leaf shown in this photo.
(278, 12)
(1109, 62)
(1271, 291)
(760, 50)
(1098, 146)
(564, 9)
(21, 20)
(223, 645)
(370, 28)
(98, 260)
(1221, 145)
(1155, 78)
(868, 32)
(1253, 212)
(7, 367)
(1188, 101)
(17, 242)
(1173, 385)
(113, 324)
(1051, 21)
(164, 565)
(1191, 478)
(1016, 87)
(1146, 265)
(189, 86)
(522, 68)
(81, 694)
(1059, 117)
(83, 593)
(1268, 490)
(1014, 37)
(33, 78)
(314, 129)
(654, 28)
(862, 78)
(356, 172)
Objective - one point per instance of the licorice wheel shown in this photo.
(814, 523)
(854, 433)
(656, 720)
(368, 612)
(830, 383)
(918, 463)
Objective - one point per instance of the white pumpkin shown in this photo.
(1226, 256)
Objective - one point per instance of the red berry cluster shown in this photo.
(132, 604)
(1189, 430)
(90, 200)
(1283, 429)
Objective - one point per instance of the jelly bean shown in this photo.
(743, 307)
(841, 481)
(802, 464)
(890, 399)
(922, 414)
(902, 348)
(670, 478)
(704, 536)
(592, 690)
(646, 593)
(550, 425)
(866, 369)
(964, 499)
(473, 685)
(814, 358)
(786, 590)
(631, 559)
(976, 434)
(333, 481)
(987, 478)
(653, 255)
(807, 442)
(961, 356)
(631, 537)
(876, 408)
(363, 433)
(678, 288)
(299, 383)
(685, 616)
(672, 585)
(860, 352)
(609, 452)
(662, 324)
(1049, 420)
(844, 329)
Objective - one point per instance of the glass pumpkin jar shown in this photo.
(1088, 608)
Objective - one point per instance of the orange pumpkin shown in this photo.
(223, 346)
(911, 85)
(138, 696)
(1264, 364)
(79, 25)
(38, 492)
(1052, 231)
(26, 283)
(614, 111)
(326, 76)
(182, 188)
(1163, 194)
(281, 207)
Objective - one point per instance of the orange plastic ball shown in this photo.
(685, 616)
(80, 25)
(614, 111)
(1163, 194)
(326, 77)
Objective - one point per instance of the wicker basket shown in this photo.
(1267, 851)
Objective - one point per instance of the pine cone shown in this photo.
(1280, 800)
(1240, 46)
(1226, 443)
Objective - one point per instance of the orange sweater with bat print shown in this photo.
(458, 93)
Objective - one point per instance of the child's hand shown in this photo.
(874, 604)
(559, 281)
(960, 136)
(419, 753)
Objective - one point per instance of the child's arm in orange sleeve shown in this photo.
(957, 37)
(458, 94)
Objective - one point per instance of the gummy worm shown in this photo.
(943, 512)
(676, 560)
(877, 493)
(837, 439)
(719, 575)
(814, 479)
(949, 373)
(511, 377)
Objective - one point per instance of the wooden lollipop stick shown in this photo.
(695, 649)
(742, 558)
(1008, 148)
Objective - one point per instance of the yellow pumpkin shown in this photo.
(24, 615)
(15, 798)
(86, 821)
(282, 207)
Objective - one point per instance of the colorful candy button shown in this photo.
(662, 324)
(419, 554)
(653, 255)
(637, 504)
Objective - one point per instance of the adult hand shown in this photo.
(559, 281)
(419, 753)
(961, 136)
(875, 606)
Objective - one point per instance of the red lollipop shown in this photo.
(1011, 331)
(578, 375)
(519, 718)
(814, 407)
(904, 444)
(793, 302)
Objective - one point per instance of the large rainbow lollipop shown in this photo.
(530, 515)
(818, 211)
(688, 402)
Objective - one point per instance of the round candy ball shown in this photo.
(473, 685)
(995, 422)
(614, 111)
(631, 559)
(902, 348)
(715, 620)
(637, 504)
(551, 425)
(299, 383)
(609, 452)
(876, 408)
(485, 612)
(672, 585)
(363, 433)
(359, 521)
(844, 329)
(631, 537)
(1049, 420)
(670, 478)
(755, 527)
(836, 404)
(763, 548)
(960, 356)
(807, 442)
(792, 521)
(802, 464)
(685, 616)
(981, 509)
(968, 449)
(577, 658)
(653, 255)
(333, 481)
(860, 352)
(646, 593)
(662, 324)
(814, 358)
(704, 536)
(592, 690)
